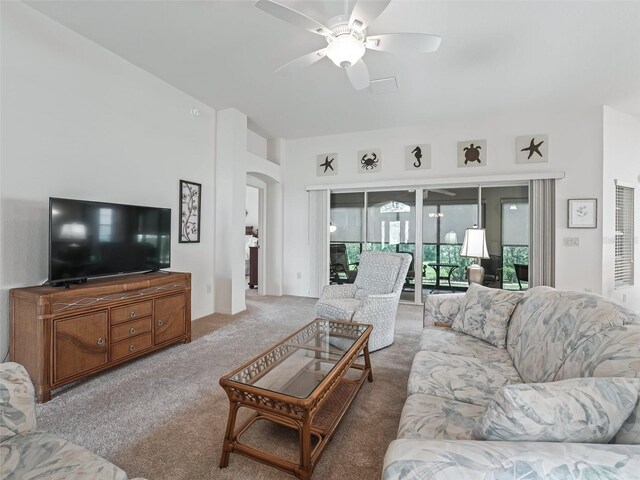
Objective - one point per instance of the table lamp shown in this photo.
(474, 245)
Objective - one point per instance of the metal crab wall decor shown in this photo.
(369, 160)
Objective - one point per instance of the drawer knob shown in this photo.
(132, 348)
(100, 341)
(159, 323)
(132, 330)
(132, 314)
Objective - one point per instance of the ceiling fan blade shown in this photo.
(404, 42)
(359, 75)
(365, 12)
(292, 16)
(301, 62)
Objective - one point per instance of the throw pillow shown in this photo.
(485, 313)
(580, 410)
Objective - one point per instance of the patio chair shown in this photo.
(522, 274)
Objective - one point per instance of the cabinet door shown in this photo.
(79, 344)
(169, 317)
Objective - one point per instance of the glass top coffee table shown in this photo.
(305, 382)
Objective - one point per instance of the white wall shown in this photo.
(621, 147)
(252, 206)
(81, 122)
(256, 144)
(575, 146)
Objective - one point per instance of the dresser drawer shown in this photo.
(130, 329)
(130, 346)
(135, 310)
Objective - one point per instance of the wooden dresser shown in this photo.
(62, 335)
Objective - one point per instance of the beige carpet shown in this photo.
(163, 416)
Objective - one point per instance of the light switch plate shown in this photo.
(571, 241)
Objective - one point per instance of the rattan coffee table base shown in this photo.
(316, 416)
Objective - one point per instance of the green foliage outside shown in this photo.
(511, 255)
(448, 254)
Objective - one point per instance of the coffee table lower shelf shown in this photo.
(322, 426)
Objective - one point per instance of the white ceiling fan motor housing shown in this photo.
(346, 45)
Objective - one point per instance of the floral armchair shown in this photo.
(373, 297)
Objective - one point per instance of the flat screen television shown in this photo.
(92, 239)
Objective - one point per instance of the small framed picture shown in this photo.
(583, 213)
(190, 193)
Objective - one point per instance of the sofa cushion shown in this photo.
(17, 404)
(614, 352)
(337, 308)
(446, 340)
(580, 410)
(464, 379)
(548, 324)
(473, 460)
(378, 272)
(39, 455)
(429, 417)
(442, 308)
(486, 312)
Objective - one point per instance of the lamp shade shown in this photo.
(474, 244)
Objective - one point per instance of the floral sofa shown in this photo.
(26, 453)
(460, 421)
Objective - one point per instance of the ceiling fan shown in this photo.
(347, 38)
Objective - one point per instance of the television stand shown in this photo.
(64, 335)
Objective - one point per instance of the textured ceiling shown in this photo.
(495, 56)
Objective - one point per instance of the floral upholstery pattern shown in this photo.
(552, 336)
(429, 417)
(614, 352)
(473, 460)
(464, 379)
(17, 408)
(581, 410)
(372, 299)
(27, 454)
(485, 313)
(549, 323)
(442, 308)
(446, 340)
(37, 455)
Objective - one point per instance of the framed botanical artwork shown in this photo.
(583, 213)
(190, 194)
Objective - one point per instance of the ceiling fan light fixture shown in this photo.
(345, 51)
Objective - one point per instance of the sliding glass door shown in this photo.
(430, 224)
(446, 214)
(391, 227)
(346, 236)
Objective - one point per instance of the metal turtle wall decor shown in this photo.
(472, 153)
